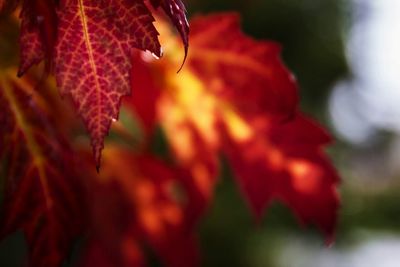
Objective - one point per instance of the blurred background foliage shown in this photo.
(314, 36)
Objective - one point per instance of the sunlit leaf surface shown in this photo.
(235, 97)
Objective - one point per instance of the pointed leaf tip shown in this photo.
(96, 73)
(176, 11)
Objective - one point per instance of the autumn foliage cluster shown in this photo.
(232, 98)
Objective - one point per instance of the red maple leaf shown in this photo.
(92, 58)
(92, 43)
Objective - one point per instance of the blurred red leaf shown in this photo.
(286, 162)
(235, 97)
(145, 92)
(38, 33)
(138, 204)
(42, 193)
(32, 51)
(248, 74)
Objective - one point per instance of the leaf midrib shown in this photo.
(89, 48)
